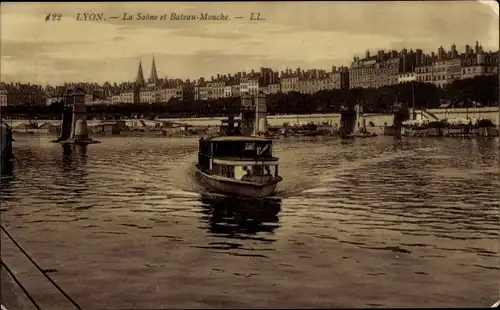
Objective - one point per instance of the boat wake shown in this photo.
(320, 186)
(333, 175)
(319, 190)
(179, 193)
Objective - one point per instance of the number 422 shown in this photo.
(54, 17)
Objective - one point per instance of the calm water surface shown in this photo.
(370, 222)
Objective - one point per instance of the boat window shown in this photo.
(263, 149)
(249, 146)
(228, 171)
(223, 170)
(256, 173)
(239, 172)
(271, 170)
(243, 149)
(258, 170)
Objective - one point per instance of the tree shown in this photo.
(481, 89)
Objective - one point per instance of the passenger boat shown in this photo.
(241, 166)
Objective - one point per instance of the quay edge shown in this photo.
(12, 297)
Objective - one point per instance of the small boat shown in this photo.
(241, 166)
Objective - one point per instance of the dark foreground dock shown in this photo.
(24, 284)
(12, 296)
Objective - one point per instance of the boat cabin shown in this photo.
(238, 157)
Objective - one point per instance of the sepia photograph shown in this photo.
(239, 154)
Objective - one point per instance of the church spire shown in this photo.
(140, 76)
(153, 77)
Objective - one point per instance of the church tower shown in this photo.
(139, 81)
(153, 77)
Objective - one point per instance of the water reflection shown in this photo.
(7, 175)
(240, 219)
(73, 154)
(485, 148)
(74, 151)
(375, 211)
(74, 159)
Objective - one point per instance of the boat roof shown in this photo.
(239, 139)
(108, 122)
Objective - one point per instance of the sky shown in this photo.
(294, 34)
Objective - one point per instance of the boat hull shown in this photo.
(237, 188)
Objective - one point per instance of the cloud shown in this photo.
(316, 34)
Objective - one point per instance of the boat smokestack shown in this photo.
(230, 125)
(261, 114)
(247, 115)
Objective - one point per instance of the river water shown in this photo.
(367, 222)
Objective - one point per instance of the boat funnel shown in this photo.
(230, 124)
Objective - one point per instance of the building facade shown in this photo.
(407, 77)
(362, 72)
(373, 71)
(21, 94)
